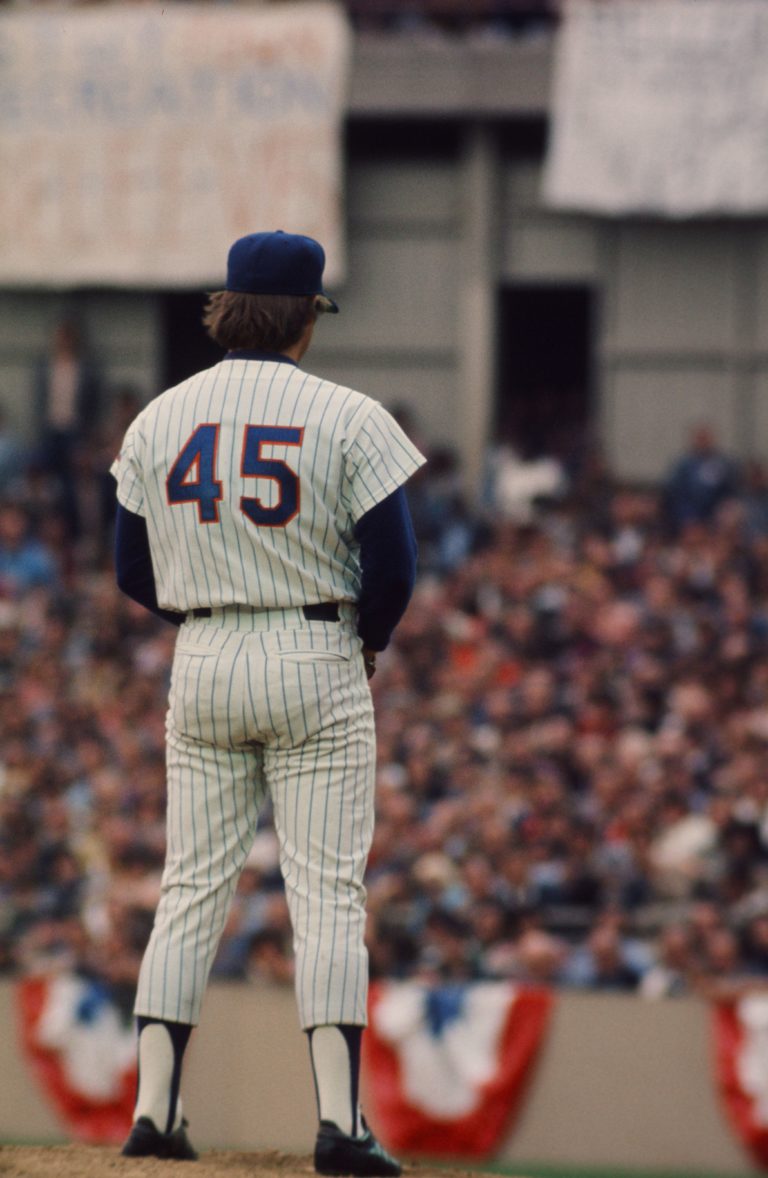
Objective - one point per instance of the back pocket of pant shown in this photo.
(313, 656)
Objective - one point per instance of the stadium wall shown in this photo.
(621, 1082)
(443, 209)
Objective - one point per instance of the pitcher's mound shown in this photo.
(90, 1161)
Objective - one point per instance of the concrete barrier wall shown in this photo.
(620, 1082)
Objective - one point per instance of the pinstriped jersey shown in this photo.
(251, 477)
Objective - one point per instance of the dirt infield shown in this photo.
(82, 1161)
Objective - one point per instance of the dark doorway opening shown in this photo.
(545, 344)
(186, 347)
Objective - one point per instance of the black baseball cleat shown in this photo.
(145, 1141)
(338, 1154)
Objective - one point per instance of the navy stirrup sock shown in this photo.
(179, 1035)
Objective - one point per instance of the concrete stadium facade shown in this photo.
(448, 240)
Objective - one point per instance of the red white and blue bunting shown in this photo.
(741, 1046)
(447, 1067)
(81, 1053)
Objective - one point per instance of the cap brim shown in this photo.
(325, 303)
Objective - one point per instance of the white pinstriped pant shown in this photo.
(266, 703)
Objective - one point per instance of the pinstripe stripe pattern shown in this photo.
(262, 702)
(353, 454)
(278, 711)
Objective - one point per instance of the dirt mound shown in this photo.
(83, 1161)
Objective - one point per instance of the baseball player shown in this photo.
(261, 509)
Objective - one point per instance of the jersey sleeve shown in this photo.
(379, 459)
(126, 470)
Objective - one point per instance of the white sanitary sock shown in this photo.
(333, 1079)
(156, 1060)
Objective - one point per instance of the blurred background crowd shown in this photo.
(572, 719)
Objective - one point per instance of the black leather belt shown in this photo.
(323, 611)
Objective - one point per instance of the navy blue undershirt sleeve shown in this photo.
(133, 564)
(388, 563)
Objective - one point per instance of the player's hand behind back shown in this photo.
(369, 659)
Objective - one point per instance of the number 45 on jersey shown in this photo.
(192, 478)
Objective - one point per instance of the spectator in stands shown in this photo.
(607, 961)
(539, 960)
(25, 562)
(449, 952)
(446, 530)
(671, 972)
(754, 498)
(754, 945)
(67, 404)
(722, 971)
(701, 480)
(269, 958)
(13, 456)
(515, 484)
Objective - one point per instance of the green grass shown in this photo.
(532, 1170)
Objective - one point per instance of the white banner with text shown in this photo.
(138, 142)
(660, 107)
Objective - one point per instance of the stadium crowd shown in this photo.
(573, 738)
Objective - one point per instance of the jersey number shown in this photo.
(192, 478)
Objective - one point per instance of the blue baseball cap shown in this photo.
(278, 264)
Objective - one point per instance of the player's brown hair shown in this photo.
(265, 323)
